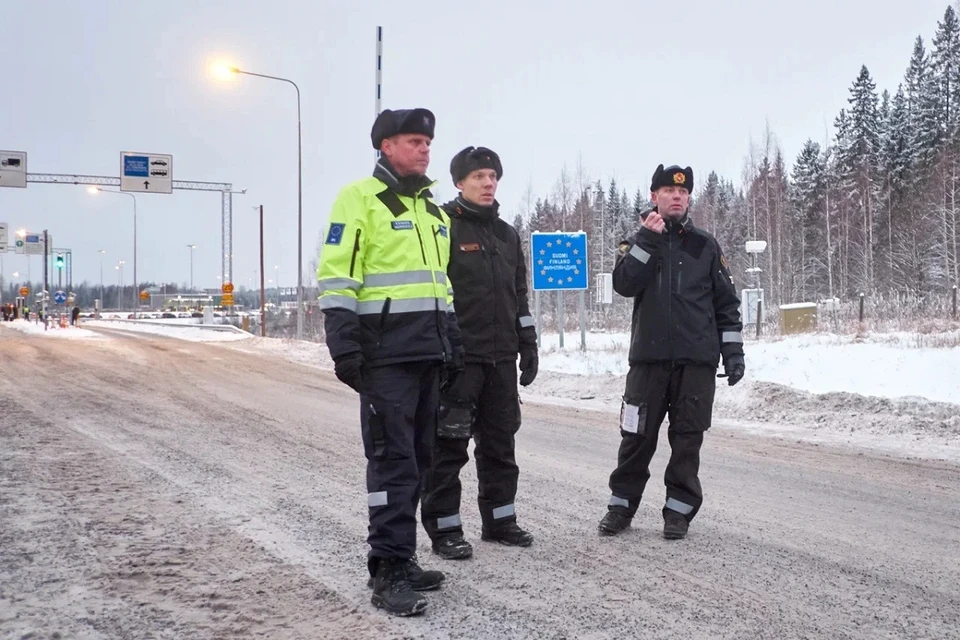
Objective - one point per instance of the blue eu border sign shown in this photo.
(558, 261)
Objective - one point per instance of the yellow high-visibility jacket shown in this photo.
(382, 273)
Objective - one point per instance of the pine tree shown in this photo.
(945, 65)
(807, 200)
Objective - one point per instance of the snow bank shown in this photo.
(882, 365)
(52, 331)
(190, 333)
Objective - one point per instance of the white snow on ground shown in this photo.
(52, 331)
(191, 333)
(885, 365)
(892, 393)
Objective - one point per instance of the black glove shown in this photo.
(452, 370)
(734, 368)
(529, 364)
(347, 367)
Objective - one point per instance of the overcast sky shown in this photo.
(623, 85)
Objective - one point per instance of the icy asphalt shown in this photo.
(155, 488)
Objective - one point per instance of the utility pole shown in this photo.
(263, 312)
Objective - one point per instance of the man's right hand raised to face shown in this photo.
(653, 221)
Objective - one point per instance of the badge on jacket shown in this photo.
(335, 235)
(443, 230)
(401, 224)
(472, 246)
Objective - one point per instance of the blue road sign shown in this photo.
(60, 297)
(558, 261)
(136, 166)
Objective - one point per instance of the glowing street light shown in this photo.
(223, 70)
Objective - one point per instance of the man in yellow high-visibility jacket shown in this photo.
(391, 330)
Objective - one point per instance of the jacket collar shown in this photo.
(462, 208)
(411, 186)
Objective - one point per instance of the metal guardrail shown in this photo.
(209, 327)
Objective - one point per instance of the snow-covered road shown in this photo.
(152, 487)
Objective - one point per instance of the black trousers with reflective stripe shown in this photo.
(685, 392)
(492, 390)
(398, 419)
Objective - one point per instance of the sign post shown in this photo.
(559, 263)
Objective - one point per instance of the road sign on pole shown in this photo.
(13, 169)
(227, 287)
(146, 172)
(60, 297)
(559, 261)
(4, 236)
(24, 292)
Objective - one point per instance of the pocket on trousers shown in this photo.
(633, 417)
(456, 420)
(375, 438)
(695, 414)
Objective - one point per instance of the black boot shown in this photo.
(509, 534)
(420, 580)
(453, 548)
(392, 591)
(613, 523)
(674, 526)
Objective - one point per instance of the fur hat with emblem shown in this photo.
(672, 176)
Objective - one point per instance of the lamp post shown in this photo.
(96, 190)
(119, 269)
(191, 247)
(101, 252)
(225, 71)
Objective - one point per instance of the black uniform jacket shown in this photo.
(686, 308)
(488, 273)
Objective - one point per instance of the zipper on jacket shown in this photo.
(423, 253)
(356, 250)
(436, 243)
(670, 294)
(384, 312)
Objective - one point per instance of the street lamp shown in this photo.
(276, 271)
(119, 268)
(95, 191)
(102, 252)
(224, 71)
(191, 247)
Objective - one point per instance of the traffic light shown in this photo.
(59, 261)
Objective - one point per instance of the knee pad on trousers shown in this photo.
(456, 419)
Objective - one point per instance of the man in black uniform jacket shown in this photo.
(488, 274)
(686, 317)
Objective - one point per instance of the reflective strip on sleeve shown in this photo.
(680, 507)
(619, 502)
(330, 284)
(378, 499)
(449, 522)
(731, 336)
(420, 276)
(401, 306)
(450, 291)
(338, 302)
(526, 321)
(503, 512)
(441, 277)
(640, 254)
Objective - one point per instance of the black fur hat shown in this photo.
(473, 158)
(672, 176)
(391, 123)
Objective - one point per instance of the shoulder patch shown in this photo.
(335, 235)
(624, 246)
(401, 224)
